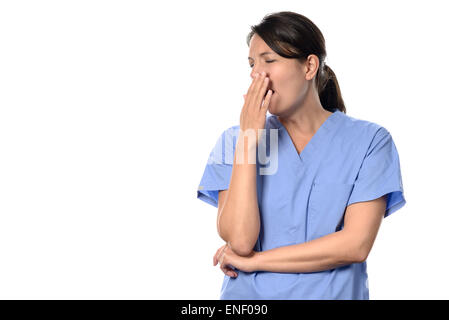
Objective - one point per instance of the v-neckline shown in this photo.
(312, 145)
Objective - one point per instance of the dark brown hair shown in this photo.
(292, 35)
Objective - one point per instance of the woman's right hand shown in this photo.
(253, 115)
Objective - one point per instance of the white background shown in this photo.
(109, 110)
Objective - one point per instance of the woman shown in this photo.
(303, 231)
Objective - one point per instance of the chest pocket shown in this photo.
(327, 205)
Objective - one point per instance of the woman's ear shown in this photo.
(311, 66)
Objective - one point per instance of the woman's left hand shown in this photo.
(228, 259)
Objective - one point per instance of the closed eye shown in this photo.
(268, 61)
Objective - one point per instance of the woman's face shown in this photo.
(288, 77)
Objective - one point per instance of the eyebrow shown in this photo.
(262, 54)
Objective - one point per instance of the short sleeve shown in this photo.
(380, 174)
(218, 170)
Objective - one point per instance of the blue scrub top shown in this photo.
(348, 160)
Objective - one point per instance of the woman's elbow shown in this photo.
(241, 248)
(363, 255)
(360, 254)
(353, 249)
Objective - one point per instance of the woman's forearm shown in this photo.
(239, 221)
(331, 251)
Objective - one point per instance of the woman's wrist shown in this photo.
(245, 151)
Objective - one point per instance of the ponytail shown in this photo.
(329, 90)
